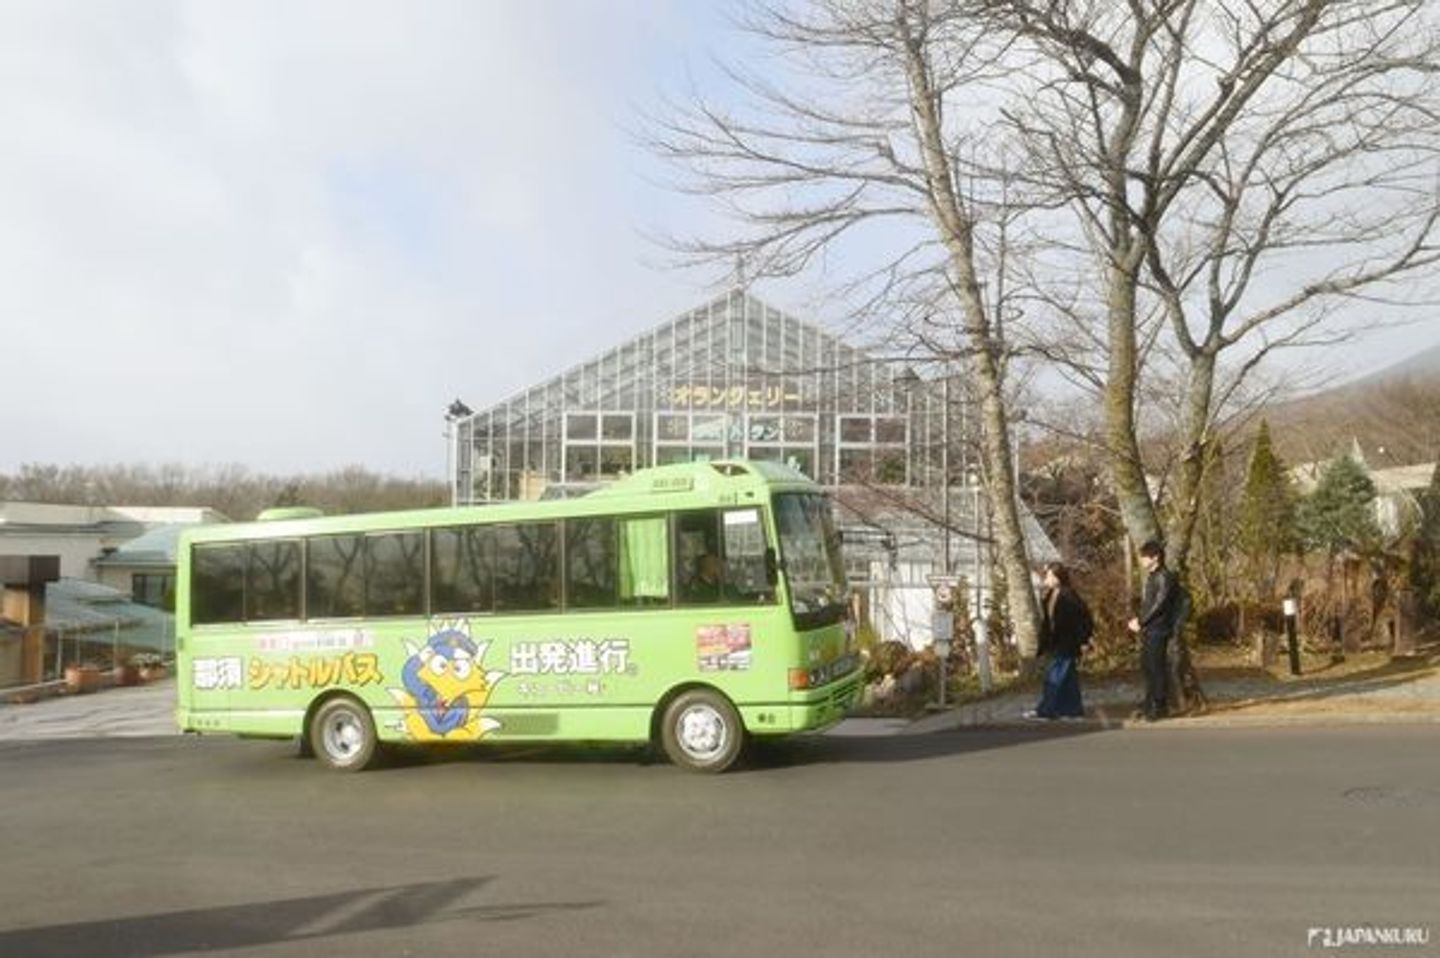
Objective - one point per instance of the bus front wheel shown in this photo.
(701, 731)
(342, 735)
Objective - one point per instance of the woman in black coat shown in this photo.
(1065, 630)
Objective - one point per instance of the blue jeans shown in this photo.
(1061, 695)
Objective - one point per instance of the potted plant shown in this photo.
(150, 666)
(126, 673)
(82, 677)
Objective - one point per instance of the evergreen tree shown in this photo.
(1267, 527)
(1425, 555)
(1214, 537)
(1338, 514)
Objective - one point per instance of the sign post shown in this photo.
(942, 625)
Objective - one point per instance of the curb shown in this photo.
(1310, 720)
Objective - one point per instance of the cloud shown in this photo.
(288, 234)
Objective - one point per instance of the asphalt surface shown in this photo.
(1067, 841)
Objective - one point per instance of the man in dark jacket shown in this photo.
(1159, 613)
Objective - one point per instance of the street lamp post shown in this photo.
(457, 410)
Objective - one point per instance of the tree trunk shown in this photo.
(1190, 487)
(957, 231)
(1127, 470)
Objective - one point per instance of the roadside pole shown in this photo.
(1292, 611)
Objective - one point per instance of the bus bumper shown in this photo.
(807, 711)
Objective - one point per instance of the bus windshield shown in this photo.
(811, 551)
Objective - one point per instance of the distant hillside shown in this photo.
(1394, 415)
(1423, 367)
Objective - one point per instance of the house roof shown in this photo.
(912, 522)
(92, 612)
(156, 547)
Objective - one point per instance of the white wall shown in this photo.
(76, 551)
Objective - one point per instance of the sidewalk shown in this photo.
(1400, 692)
(139, 710)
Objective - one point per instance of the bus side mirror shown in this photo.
(772, 568)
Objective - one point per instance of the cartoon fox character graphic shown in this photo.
(446, 687)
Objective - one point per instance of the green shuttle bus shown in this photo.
(692, 605)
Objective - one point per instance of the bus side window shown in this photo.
(272, 584)
(527, 568)
(395, 574)
(745, 578)
(217, 584)
(590, 564)
(644, 561)
(335, 577)
(462, 570)
(699, 565)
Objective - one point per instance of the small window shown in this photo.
(621, 428)
(217, 584)
(335, 577)
(273, 585)
(462, 570)
(801, 460)
(616, 460)
(744, 548)
(590, 564)
(855, 465)
(699, 566)
(580, 425)
(709, 428)
(720, 558)
(890, 466)
(644, 561)
(763, 429)
(527, 575)
(855, 429)
(395, 574)
(672, 428)
(799, 429)
(154, 590)
(890, 430)
(582, 463)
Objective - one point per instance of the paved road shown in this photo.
(1004, 842)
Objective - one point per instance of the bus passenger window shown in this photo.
(395, 574)
(698, 563)
(217, 584)
(590, 564)
(272, 587)
(335, 577)
(644, 561)
(462, 570)
(527, 568)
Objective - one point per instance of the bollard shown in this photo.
(982, 653)
(1292, 610)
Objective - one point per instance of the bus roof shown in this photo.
(690, 485)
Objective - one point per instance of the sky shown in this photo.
(287, 235)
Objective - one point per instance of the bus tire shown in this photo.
(701, 731)
(342, 735)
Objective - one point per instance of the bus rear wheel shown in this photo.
(701, 731)
(342, 735)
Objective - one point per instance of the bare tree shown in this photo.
(1245, 170)
(868, 135)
